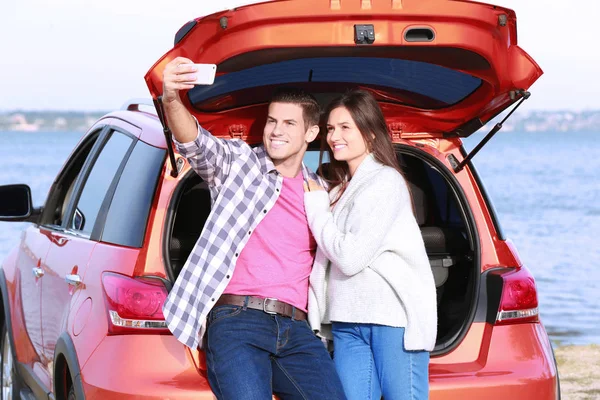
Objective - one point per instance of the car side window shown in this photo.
(61, 192)
(127, 216)
(98, 183)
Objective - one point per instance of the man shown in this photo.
(246, 282)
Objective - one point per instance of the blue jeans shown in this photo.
(371, 361)
(251, 354)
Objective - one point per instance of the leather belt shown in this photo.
(268, 305)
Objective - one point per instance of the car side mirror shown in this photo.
(16, 204)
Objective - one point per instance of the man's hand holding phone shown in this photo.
(181, 73)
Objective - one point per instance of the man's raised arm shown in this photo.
(209, 156)
(177, 76)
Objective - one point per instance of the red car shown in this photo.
(82, 294)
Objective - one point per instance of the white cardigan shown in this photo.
(379, 271)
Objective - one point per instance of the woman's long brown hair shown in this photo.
(369, 120)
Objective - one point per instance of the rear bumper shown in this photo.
(497, 362)
(143, 366)
(500, 362)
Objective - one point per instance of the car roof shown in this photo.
(148, 123)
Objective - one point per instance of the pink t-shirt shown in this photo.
(277, 260)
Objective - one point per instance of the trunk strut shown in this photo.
(458, 167)
(161, 116)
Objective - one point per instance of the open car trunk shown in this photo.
(439, 69)
(447, 233)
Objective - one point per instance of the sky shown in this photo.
(93, 54)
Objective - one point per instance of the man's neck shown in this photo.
(288, 168)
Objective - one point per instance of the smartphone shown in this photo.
(205, 74)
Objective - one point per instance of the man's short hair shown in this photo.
(311, 112)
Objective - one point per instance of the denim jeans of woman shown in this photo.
(371, 361)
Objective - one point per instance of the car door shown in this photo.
(73, 242)
(35, 244)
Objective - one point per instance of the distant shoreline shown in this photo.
(530, 121)
(53, 121)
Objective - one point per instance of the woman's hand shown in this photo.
(312, 186)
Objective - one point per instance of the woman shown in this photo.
(371, 279)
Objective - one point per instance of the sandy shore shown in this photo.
(579, 371)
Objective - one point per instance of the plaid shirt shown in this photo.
(244, 186)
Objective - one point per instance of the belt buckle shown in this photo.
(265, 305)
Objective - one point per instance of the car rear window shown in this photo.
(415, 82)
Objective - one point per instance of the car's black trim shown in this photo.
(32, 381)
(486, 197)
(66, 348)
(473, 237)
(184, 30)
(490, 294)
(169, 224)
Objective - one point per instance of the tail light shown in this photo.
(519, 302)
(134, 304)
